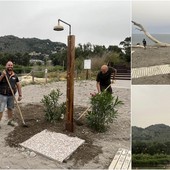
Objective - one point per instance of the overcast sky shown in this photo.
(97, 22)
(153, 15)
(150, 105)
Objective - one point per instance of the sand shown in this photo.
(118, 136)
(151, 56)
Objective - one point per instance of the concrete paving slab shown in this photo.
(126, 84)
(53, 145)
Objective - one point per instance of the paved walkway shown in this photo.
(150, 71)
(122, 160)
(125, 84)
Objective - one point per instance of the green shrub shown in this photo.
(2, 67)
(39, 74)
(18, 69)
(53, 110)
(103, 111)
(56, 68)
(147, 160)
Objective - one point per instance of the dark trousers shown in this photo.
(102, 88)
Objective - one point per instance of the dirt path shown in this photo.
(98, 153)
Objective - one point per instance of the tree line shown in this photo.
(150, 154)
(151, 148)
(98, 54)
(18, 58)
(114, 54)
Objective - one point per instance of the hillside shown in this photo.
(13, 44)
(153, 133)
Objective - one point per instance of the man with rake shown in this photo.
(6, 96)
(104, 78)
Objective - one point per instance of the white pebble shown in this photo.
(32, 154)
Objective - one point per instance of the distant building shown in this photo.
(33, 61)
(34, 53)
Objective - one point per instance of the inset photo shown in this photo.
(150, 127)
(150, 42)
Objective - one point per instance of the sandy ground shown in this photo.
(151, 57)
(118, 136)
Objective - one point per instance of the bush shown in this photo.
(53, 110)
(147, 160)
(18, 69)
(39, 74)
(56, 68)
(103, 111)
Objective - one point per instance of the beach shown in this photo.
(151, 56)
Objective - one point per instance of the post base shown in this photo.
(69, 126)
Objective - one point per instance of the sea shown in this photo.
(138, 38)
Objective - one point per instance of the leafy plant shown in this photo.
(147, 160)
(53, 110)
(103, 111)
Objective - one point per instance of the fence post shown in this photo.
(87, 74)
(32, 73)
(46, 71)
